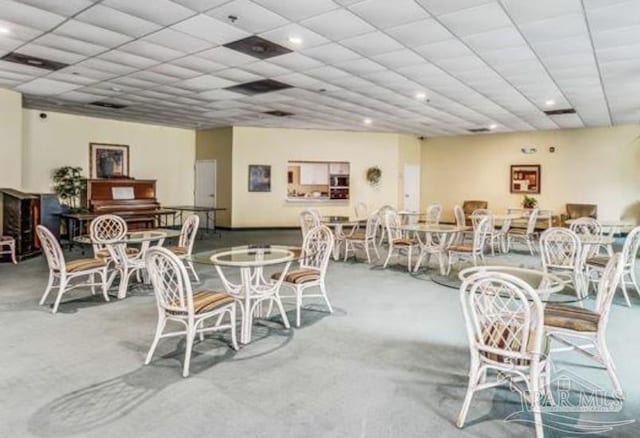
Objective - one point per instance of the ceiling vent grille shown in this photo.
(108, 105)
(259, 87)
(258, 47)
(478, 130)
(33, 61)
(560, 112)
(278, 113)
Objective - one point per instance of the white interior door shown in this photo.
(205, 186)
(411, 187)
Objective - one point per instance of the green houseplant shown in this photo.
(68, 184)
(529, 202)
(374, 174)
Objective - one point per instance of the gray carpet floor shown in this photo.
(391, 361)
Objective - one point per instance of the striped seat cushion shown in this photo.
(518, 231)
(84, 265)
(6, 238)
(405, 242)
(104, 253)
(206, 300)
(461, 248)
(500, 332)
(600, 261)
(298, 276)
(358, 235)
(177, 250)
(571, 318)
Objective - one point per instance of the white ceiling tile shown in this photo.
(399, 58)
(478, 19)
(295, 61)
(331, 53)
(299, 9)
(326, 73)
(200, 5)
(439, 7)
(42, 86)
(371, 44)
(338, 24)
(29, 16)
(219, 94)
(555, 28)
(224, 56)
(360, 66)
(151, 76)
(420, 33)
(209, 29)
(103, 66)
(66, 7)
(39, 51)
(120, 57)
(615, 16)
(282, 35)
(178, 41)
(238, 75)
(382, 16)
(198, 64)
(150, 50)
(451, 48)
(165, 12)
(206, 82)
(175, 71)
(92, 34)
(526, 12)
(116, 21)
(69, 44)
(495, 39)
(78, 96)
(250, 16)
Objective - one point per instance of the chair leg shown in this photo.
(298, 305)
(323, 289)
(534, 391)
(386, 262)
(13, 253)
(366, 250)
(634, 280)
(193, 271)
(623, 286)
(159, 329)
(474, 376)
(530, 245)
(92, 280)
(48, 289)
(232, 317)
(103, 276)
(601, 345)
(285, 320)
(187, 354)
(409, 259)
(346, 250)
(61, 288)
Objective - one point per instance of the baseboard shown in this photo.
(255, 228)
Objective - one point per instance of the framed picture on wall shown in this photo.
(108, 160)
(259, 178)
(525, 178)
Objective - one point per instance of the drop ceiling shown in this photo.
(480, 63)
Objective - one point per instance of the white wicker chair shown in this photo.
(433, 214)
(590, 226)
(364, 238)
(66, 273)
(9, 242)
(184, 249)
(107, 228)
(382, 213)
(361, 210)
(596, 265)
(461, 222)
(498, 236)
(475, 251)
(317, 247)
(568, 324)
(504, 321)
(397, 241)
(525, 235)
(560, 251)
(177, 302)
(309, 219)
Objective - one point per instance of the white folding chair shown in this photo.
(504, 321)
(65, 273)
(177, 302)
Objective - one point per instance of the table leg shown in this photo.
(247, 314)
(337, 242)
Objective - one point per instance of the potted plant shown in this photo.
(374, 174)
(529, 202)
(68, 184)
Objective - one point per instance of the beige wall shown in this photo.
(595, 165)
(10, 139)
(216, 144)
(156, 152)
(276, 147)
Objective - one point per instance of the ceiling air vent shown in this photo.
(278, 113)
(33, 61)
(258, 47)
(259, 87)
(108, 105)
(559, 112)
(478, 130)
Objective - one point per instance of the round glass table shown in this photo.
(252, 288)
(337, 222)
(136, 237)
(445, 235)
(550, 287)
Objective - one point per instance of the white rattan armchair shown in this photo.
(177, 302)
(309, 219)
(569, 324)
(596, 265)
(475, 251)
(107, 228)
(397, 241)
(317, 248)
(591, 227)
(9, 242)
(504, 321)
(525, 235)
(560, 252)
(184, 249)
(364, 238)
(433, 213)
(65, 275)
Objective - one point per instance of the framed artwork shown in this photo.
(525, 178)
(259, 178)
(108, 160)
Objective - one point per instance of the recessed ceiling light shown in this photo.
(493, 126)
(550, 102)
(421, 96)
(4, 30)
(295, 40)
(367, 121)
(116, 89)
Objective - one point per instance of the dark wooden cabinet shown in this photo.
(22, 212)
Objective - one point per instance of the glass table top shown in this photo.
(133, 237)
(332, 220)
(434, 228)
(550, 287)
(249, 255)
